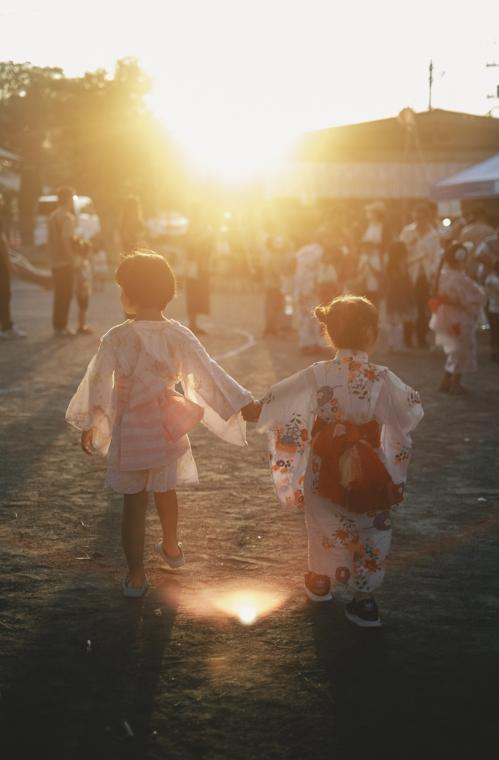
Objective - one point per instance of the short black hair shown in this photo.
(348, 319)
(147, 279)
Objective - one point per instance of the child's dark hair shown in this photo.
(351, 321)
(147, 280)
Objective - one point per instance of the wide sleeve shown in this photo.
(207, 384)
(287, 417)
(92, 406)
(399, 411)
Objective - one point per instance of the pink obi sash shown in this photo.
(149, 431)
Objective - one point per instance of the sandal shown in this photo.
(173, 562)
(134, 592)
(318, 587)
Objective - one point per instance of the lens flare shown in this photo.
(245, 604)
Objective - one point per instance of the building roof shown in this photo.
(429, 136)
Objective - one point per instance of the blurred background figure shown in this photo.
(492, 290)
(274, 252)
(369, 271)
(198, 247)
(306, 292)
(83, 284)
(477, 229)
(424, 251)
(61, 234)
(398, 292)
(132, 230)
(8, 331)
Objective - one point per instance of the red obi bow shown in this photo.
(351, 474)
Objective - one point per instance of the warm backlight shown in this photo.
(245, 604)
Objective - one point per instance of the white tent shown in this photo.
(478, 181)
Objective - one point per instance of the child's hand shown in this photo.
(251, 412)
(87, 441)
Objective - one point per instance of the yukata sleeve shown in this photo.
(92, 406)
(207, 384)
(287, 417)
(399, 411)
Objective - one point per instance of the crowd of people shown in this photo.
(403, 269)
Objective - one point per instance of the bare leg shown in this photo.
(167, 506)
(132, 535)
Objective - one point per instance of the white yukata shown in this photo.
(140, 422)
(306, 293)
(349, 547)
(456, 310)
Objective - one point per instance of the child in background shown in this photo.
(83, 284)
(456, 308)
(339, 443)
(126, 407)
(399, 297)
(492, 290)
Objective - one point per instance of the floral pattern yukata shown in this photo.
(126, 394)
(456, 309)
(348, 547)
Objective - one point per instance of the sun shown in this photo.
(223, 145)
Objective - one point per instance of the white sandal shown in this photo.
(173, 562)
(134, 592)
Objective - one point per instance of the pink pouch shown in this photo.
(179, 415)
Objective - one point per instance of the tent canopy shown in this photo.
(479, 181)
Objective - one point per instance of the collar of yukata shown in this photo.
(348, 353)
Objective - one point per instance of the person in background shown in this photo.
(61, 234)
(424, 249)
(492, 290)
(83, 284)
(456, 308)
(377, 232)
(369, 272)
(398, 292)
(132, 229)
(198, 249)
(8, 331)
(273, 264)
(477, 230)
(306, 295)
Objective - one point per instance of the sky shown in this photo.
(236, 80)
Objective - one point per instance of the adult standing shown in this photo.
(8, 331)
(424, 251)
(198, 249)
(61, 233)
(307, 296)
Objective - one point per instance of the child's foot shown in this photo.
(85, 330)
(133, 589)
(446, 384)
(363, 612)
(318, 587)
(172, 560)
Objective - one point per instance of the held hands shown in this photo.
(251, 412)
(87, 441)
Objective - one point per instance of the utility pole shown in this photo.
(493, 65)
(430, 84)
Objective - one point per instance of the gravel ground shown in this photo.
(86, 673)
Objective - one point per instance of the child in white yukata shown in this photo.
(127, 408)
(456, 309)
(339, 443)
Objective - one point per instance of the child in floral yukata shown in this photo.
(127, 408)
(339, 443)
(456, 309)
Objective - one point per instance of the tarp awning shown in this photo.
(478, 181)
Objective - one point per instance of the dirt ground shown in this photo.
(88, 674)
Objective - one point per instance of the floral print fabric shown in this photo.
(348, 388)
